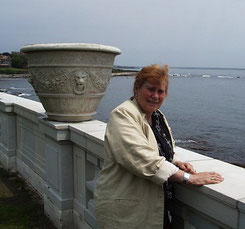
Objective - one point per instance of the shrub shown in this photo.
(18, 60)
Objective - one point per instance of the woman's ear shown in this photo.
(135, 93)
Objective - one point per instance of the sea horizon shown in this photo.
(186, 67)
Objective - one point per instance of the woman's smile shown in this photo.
(150, 97)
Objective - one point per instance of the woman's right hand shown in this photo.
(203, 178)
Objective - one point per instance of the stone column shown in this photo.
(7, 136)
(180, 216)
(58, 190)
(241, 207)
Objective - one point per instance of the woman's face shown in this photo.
(150, 96)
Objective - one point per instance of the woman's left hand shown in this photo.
(185, 166)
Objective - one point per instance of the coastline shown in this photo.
(126, 73)
(114, 74)
(7, 76)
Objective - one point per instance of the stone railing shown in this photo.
(62, 162)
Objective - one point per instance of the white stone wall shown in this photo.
(62, 162)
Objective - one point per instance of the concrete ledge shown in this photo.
(207, 205)
(58, 131)
(6, 107)
(62, 161)
(60, 203)
(190, 156)
(21, 106)
(90, 136)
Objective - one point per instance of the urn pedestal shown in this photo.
(70, 79)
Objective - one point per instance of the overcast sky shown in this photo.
(193, 33)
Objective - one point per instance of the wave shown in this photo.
(186, 75)
(225, 77)
(180, 75)
(18, 88)
(185, 141)
(206, 76)
(24, 95)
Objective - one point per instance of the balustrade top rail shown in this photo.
(216, 206)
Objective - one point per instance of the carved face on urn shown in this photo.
(80, 85)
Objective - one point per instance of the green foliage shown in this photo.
(13, 71)
(18, 60)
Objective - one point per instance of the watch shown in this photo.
(186, 177)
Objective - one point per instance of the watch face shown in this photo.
(186, 177)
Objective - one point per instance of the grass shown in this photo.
(4, 191)
(18, 216)
(20, 206)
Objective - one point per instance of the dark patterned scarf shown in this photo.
(164, 142)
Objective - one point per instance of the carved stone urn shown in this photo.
(70, 79)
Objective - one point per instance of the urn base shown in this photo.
(70, 117)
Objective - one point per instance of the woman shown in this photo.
(139, 159)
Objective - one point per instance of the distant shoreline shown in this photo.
(7, 76)
(126, 73)
(210, 68)
(14, 76)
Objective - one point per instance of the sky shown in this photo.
(183, 33)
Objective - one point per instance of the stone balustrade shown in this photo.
(62, 162)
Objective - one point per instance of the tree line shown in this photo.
(18, 59)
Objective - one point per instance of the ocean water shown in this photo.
(205, 108)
